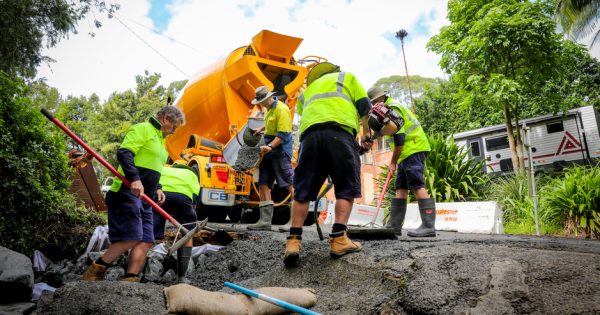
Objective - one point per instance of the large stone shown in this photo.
(16, 277)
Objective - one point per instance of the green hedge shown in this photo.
(37, 211)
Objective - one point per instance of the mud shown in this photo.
(247, 158)
(452, 273)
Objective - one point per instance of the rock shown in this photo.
(114, 273)
(104, 297)
(16, 277)
(17, 308)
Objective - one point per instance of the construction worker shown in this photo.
(178, 195)
(333, 107)
(277, 160)
(408, 160)
(141, 157)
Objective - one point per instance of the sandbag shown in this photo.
(303, 297)
(187, 299)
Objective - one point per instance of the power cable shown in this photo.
(161, 34)
(148, 44)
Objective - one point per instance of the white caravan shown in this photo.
(556, 141)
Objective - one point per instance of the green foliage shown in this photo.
(574, 199)
(26, 24)
(37, 210)
(450, 174)
(579, 19)
(397, 86)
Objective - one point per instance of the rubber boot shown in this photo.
(266, 215)
(340, 244)
(292, 250)
(286, 227)
(95, 272)
(183, 261)
(427, 211)
(397, 213)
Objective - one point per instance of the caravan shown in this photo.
(556, 140)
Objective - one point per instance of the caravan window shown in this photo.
(555, 127)
(493, 144)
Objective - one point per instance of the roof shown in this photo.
(502, 127)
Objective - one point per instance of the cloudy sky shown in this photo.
(176, 38)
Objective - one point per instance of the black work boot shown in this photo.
(266, 215)
(183, 261)
(397, 213)
(427, 211)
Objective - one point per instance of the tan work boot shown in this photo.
(340, 244)
(95, 272)
(292, 250)
(131, 279)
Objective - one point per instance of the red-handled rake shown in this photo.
(188, 234)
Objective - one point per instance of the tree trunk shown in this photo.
(511, 139)
(519, 142)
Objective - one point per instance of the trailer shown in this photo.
(556, 141)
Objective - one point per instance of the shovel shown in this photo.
(188, 233)
(369, 232)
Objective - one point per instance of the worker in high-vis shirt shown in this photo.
(276, 164)
(141, 157)
(408, 161)
(178, 195)
(333, 107)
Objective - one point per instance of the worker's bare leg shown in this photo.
(265, 192)
(286, 227)
(137, 257)
(339, 243)
(98, 268)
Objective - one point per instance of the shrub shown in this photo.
(574, 200)
(37, 210)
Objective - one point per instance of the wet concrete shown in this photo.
(452, 273)
(247, 158)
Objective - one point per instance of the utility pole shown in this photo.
(401, 34)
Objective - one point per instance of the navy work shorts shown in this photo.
(276, 168)
(411, 172)
(327, 151)
(129, 219)
(180, 207)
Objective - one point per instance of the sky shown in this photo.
(177, 38)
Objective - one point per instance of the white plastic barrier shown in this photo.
(464, 217)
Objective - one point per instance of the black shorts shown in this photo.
(327, 151)
(180, 207)
(411, 172)
(276, 168)
(129, 219)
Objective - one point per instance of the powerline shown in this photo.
(161, 34)
(148, 44)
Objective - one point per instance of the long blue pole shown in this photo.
(280, 303)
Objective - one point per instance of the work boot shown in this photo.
(397, 213)
(292, 250)
(131, 279)
(286, 227)
(266, 215)
(340, 244)
(427, 212)
(95, 272)
(183, 261)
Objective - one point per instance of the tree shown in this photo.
(500, 53)
(579, 18)
(397, 86)
(26, 24)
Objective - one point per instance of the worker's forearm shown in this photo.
(396, 155)
(126, 159)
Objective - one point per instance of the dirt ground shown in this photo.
(450, 274)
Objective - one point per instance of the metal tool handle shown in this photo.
(102, 161)
(272, 300)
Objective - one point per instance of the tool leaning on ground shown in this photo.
(370, 231)
(188, 234)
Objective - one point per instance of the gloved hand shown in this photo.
(365, 145)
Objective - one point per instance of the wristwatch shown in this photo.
(270, 146)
